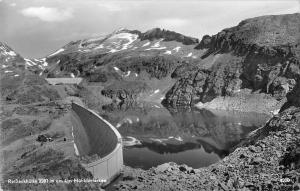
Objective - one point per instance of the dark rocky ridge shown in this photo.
(260, 54)
(167, 35)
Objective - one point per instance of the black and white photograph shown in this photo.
(150, 95)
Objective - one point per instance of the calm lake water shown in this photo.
(153, 135)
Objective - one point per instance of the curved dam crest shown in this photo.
(94, 135)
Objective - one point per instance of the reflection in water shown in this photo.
(188, 135)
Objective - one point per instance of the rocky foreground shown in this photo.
(272, 162)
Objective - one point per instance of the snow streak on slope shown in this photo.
(168, 52)
(58, 51)
(146, 44)
(177, 48)
(29, 62)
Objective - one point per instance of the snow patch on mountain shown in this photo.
(99, 47)
(58, 51)
(146, 44)
(155, 92)
(95, 39)
(29, 62)
(177, 48)
(157, 44)
(113, 50)
(190, 54)
(168, 52)
(128, 36)
(11, 53)
(127, 74)
(178, 138)
(158, 48)
(46, 63)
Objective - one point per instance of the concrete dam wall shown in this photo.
(101, 138)
(54, 81)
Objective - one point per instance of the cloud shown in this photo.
(13, 4)
(48, 14)
(111, 6)
(171, 22)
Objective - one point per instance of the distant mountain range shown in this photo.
(260, 55)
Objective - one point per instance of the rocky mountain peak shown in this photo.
(125, 30)
(157, 33)
(9, 58)
(205, 42)
(5, 50)
(153, 31)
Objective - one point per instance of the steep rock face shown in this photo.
(167, 35)
(260, 54)
(196, 84)
(204, 43)
(125, 91)
(294, 96)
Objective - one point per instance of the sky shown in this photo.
(36, 28)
